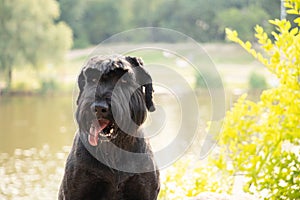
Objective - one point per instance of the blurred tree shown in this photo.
(194, 18)
(29, 35)
(271, 7)
(257, 81)
(205, 21)
(72, 12)
(95, 20)
(146, 12)
(102, 19)
(243, 20)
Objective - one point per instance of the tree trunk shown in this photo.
(9, 78)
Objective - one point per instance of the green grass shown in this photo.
(228, 54)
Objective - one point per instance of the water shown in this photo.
(36, 134)
(27, 122)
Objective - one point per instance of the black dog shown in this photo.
(110, 159)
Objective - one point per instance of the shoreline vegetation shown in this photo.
(232, 63)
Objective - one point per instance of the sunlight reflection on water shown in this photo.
(31, 173)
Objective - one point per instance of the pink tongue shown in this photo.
(96, 128)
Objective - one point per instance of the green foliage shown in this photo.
(282, 181)
(72, 12)
(21, 86)
(195, 18)
(48, 86)
(95, 20)
(188, 178)
(28, 34)
(242, 20)
(257, 81)
(258, 138)
(207, 79)
(102, 19)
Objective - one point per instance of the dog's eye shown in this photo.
(107, 99)
(92, 80)
(92, 75)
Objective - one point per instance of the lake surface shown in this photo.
(33, 122)
(36, 134)
(27, 122)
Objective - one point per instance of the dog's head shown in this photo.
(114, 95)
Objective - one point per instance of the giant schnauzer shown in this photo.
(110, 158)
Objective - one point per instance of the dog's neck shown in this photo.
(112, 153)
(130, 142)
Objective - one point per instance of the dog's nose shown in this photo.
(100, 108)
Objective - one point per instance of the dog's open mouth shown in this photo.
(100, 128)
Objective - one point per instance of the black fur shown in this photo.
(103, 172)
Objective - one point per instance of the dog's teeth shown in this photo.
(111, 130)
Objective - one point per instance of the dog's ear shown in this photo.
(134, 61)
(144, 79)
(148, 97)
(81, 84)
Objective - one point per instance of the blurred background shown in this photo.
(44, 44)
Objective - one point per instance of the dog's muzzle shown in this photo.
(101, 128)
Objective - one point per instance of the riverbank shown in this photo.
(232, 63)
